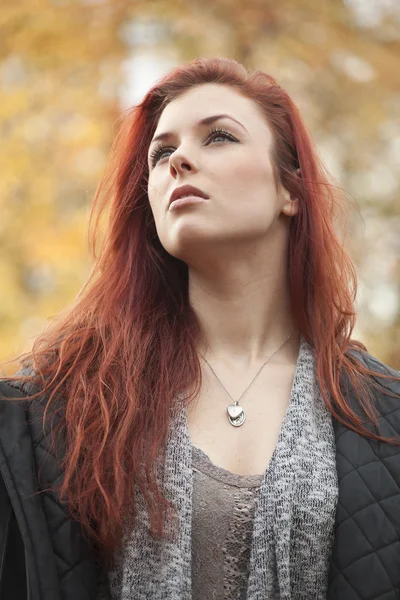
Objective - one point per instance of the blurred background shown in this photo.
(68, 68)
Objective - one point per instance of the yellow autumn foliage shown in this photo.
(62, 69)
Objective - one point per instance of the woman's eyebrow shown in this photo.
(205, 121)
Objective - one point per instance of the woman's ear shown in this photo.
(291, 204)
(291, 207)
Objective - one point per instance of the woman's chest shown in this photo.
(248, 448)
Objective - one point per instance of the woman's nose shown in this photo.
(179, 162)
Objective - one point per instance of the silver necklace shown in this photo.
(236, 414)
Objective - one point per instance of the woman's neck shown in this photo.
(243, 319)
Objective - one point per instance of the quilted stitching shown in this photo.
(366, 555)
(72, 571)
(61, 527)
(370, 496)
(352, 516)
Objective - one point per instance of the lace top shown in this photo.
(222, 527)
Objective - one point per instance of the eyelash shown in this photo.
(160, 149)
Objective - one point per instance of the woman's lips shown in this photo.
(186, 201)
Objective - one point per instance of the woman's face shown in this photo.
(232, 167)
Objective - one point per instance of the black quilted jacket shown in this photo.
(58, 565)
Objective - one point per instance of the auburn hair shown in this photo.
(115, 361)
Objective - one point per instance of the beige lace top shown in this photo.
(222, 526)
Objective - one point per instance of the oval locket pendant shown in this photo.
(236, 415)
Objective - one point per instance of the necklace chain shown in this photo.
(232, 412)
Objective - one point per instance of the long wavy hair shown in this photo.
(116, 360)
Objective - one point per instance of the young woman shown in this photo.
(200, 423)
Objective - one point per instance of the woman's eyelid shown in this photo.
(214, 132)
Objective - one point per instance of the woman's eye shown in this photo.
(156, 156)
(159, 151)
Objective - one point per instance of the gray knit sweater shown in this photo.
(294, 515)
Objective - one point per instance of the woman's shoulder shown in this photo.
(384, 392)
(21, 400)
(383, 374)
(16, 390)
(29, 422)
(374, 362)
(24, 383)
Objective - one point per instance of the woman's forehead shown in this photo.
(205, 101)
